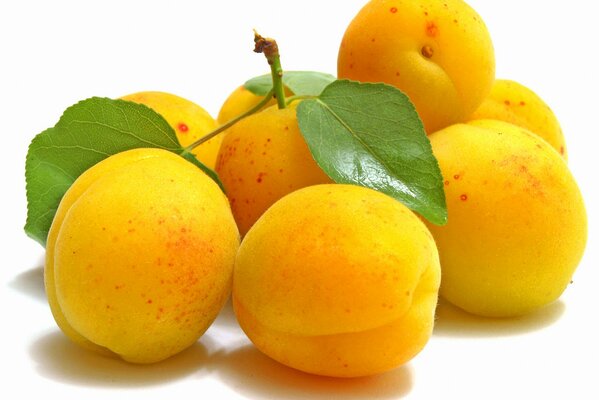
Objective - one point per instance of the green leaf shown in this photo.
(87, 133)
(301, 83)
(370, 135)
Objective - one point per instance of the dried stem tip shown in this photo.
(267, 46)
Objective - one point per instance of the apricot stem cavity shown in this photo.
(427, 51)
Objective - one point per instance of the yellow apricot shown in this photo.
(83, 183)
(140, 256)
(513, 102)
(437, 52)
(517, 223)
(238, 102)
(262, 158)
(337, 280)
(189, 121)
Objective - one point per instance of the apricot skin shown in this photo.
(517, 223)
(513, 102)
(238, 102)
(140, 256)
(189, 121)
(437, 52)
(337, 280)
(75, 191)
(262, 158)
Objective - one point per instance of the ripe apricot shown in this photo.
(189, 121)
(140, 256)
(238, 102)
(517, 222)
(515, 103)
(337, 280)
(262, 158)
(437, 52)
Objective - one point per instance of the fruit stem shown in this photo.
(229, 123)
(270, 49)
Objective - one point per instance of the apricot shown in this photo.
(262, 158)
(437, 52)
(517, 223)
(189, 121)
(337, 280)
(140, 256)
(238, 102)
(515, 103)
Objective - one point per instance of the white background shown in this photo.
(54, 53)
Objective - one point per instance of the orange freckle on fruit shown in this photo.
(393, 10)
(351, 66)
(522, 103)
(463, 197)
(397, 74)
(183, 230)
(446, 183)
(507, 102)
(149, 301)
(431, 29)
(456, 177)
(561, 150)
(182, 127)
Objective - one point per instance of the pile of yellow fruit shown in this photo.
(331, 279)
